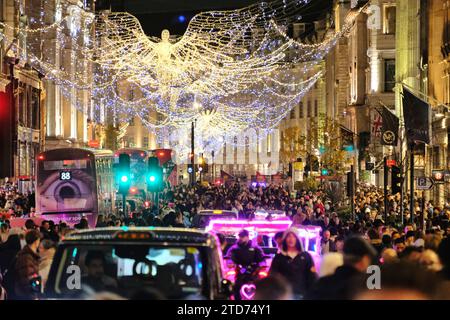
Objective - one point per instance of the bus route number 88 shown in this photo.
(65, 175)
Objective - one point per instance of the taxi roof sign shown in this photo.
(215, 212)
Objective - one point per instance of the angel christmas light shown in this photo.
(230, 71)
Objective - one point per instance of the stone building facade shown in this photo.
(21, 95)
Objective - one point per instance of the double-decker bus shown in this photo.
(74, 182)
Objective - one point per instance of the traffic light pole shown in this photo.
(402, 194)
(411, 183)
(386, 172)
(213, 171)
(156, 197)
(352, 193)
(124, 204)
(13, 120)
(423, 211)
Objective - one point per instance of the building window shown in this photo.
(130, 142)
(316, 108)
(300, 109)
(389, 19)
(298, 30)
(247, 150)
(145, 142)
(389, 75)
(131, 94)
(132, 121)
(269, 143)
(436, 157)
(292, 116)
(308, 111)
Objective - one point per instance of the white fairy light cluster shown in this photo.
(230, 72)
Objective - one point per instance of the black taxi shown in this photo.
(138, 263)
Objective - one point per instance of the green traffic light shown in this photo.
(152, 178)
(124, 178)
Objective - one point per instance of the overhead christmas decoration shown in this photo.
(231, 72)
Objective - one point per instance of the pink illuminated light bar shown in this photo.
(262, 227)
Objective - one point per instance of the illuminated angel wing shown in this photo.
(226, 30)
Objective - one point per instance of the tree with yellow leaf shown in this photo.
(332, 155)
(293, 145)
(322, 133)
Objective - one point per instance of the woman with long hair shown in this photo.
(294, 263)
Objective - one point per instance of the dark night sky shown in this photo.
(156, 15)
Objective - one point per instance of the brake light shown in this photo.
(231, 273)
(40, 157)
(263, 274)
(133, 235)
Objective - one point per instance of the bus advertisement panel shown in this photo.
(67, 187)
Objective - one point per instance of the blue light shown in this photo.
(74, 253)
(181, 18)
(199, 265)
(349, 148)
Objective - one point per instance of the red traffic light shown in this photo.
(391, 163)
(438, 176)
(147, 204)
(41, 157)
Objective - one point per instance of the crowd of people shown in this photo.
(15, 203)
(413, 253)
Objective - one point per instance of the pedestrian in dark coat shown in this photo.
(326, 244)
(358, 255)
(8, 251)
(295, 264)
(27, 266)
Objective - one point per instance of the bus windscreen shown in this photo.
(65, 164)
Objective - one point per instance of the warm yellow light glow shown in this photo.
(231, 71)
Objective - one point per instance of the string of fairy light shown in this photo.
(231, 72)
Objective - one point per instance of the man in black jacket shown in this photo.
(326, 244)
(247, 258)
(358, 256)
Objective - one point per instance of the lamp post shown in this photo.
(411, 183)
(213, 172)
(192, 173)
